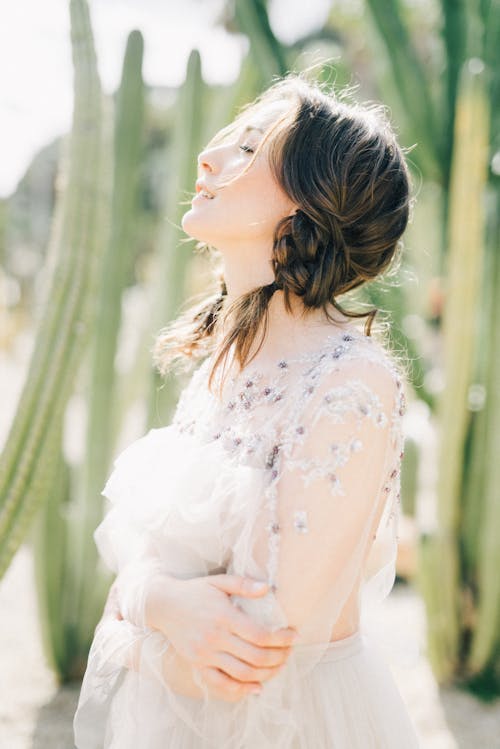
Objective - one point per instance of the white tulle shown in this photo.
(293, 478)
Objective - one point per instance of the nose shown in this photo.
(205, 162)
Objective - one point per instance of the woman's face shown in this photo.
(243, 214)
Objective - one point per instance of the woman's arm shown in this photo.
(177, 671)
(332, 483)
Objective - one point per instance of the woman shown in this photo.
(281, 464)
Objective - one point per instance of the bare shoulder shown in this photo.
(364, 367)
(376, 356)
(355, 351)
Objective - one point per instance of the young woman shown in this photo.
(281, 463)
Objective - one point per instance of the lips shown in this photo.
(202, 187)
(201, 197)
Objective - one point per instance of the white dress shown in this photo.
(292, 477)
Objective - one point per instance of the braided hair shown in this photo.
(341, 164)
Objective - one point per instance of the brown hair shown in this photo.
(340, 162)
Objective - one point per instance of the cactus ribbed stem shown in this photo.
(460, 325)
(117, 261)
(27, 464)
(173, 263)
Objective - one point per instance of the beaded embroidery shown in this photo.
(259, 422)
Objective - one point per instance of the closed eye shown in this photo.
(247, 149)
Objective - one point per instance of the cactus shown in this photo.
(173, 261)
(486, 633)
(104, 420)
(266, 50)
(458, 556)
(463, 304)
(413, 84)
(70, 588)
(29, 463)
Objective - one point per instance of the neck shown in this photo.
(252, 271)
(287, 332)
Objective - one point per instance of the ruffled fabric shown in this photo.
(292, 479)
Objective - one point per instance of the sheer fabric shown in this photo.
(293, 478)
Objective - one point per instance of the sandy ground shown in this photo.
(37, 714)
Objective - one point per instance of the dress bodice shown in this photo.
(261, 409)
(292, 476)
(270, 413)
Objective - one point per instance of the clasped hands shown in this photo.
(231, 652)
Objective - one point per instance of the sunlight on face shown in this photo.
(244, 213)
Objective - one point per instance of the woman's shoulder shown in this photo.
(344, 358)
(351, 353)
(355, 369)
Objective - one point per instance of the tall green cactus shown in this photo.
(30, 460)
(71, 588)
(460, 555)
(266, 50)
(104, 420)
(486, 634)
(173, 259)
(413, 82)
(440, 549)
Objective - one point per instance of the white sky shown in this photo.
(35, 58)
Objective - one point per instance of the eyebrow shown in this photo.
(252, 127)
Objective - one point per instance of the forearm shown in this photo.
(159, 600)
(175, 672)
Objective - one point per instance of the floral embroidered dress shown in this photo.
(292, 477)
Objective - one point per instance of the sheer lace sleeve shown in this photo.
(331, 493)
(293, 479)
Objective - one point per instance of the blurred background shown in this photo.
(105, 105)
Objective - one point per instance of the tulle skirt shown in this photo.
(349, 701)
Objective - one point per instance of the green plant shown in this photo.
(30, 460)
(71, 586)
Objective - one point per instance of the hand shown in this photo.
(233, 653)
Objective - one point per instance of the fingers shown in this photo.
(244, 672)
(256, 656)
(243, 626)
(239, 585)
(226, 688)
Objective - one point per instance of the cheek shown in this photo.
(261, 198)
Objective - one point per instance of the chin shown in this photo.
(200, 236)
(193, 227)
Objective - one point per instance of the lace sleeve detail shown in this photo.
(353, 401)
(326, 496)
